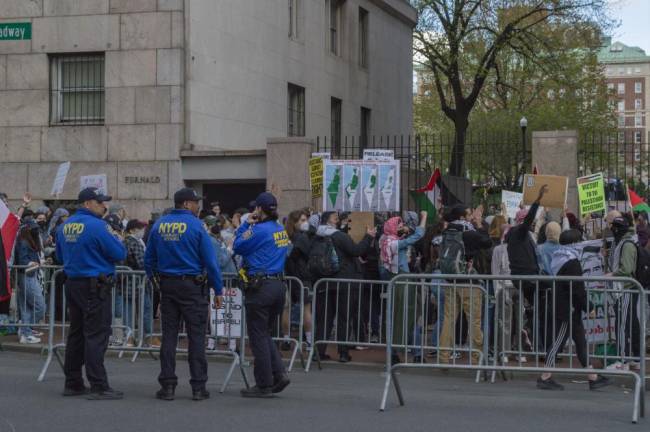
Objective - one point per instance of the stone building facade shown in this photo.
(160, 93)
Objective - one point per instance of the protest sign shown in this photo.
(359, 223)
(378, 155)
(512, 201)
(98, 181)
(316, 177)
(591, 194)
(59, 180)
(557, 190)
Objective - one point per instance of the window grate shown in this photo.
(77, 89)
(295, 110)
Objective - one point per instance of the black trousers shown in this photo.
(183, 300)
(559, 333)
(340, 300)
(628, 330)
(90, 328)
(263, 307)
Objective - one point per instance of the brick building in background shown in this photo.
(160, 93)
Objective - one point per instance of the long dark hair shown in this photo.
(27, 236)
(292, 220)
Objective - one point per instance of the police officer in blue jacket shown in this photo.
(263, 244)
(89, 250)
(179, 251)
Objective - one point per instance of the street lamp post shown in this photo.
(523, 124)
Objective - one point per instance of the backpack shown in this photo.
(642, 272)
(323, 261)
(452, 253)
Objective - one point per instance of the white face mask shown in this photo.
(304, 226)
(139, 234)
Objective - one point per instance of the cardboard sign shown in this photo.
(591, 194)
(98, 181)
(359, 223)
(556, 195)
(378, 155)
(59, 180)
(512, 201)
(316, 177)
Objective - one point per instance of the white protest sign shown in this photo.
(322, 155)
(512, 201)
(98, 181)
(378, 155)
(228, 317)
(59, 180)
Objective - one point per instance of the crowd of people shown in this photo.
(461, 240)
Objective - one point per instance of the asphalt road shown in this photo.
(338, 398)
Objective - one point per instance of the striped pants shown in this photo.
(628, 331)
(561, 333)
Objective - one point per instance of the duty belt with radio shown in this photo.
(252, 283)
(101, 286)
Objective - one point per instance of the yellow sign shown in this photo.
(316, 177)
(591, 194)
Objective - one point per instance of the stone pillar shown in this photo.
(556, 153)
(287, 172)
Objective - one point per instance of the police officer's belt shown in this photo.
(193, 278)
(278, 276)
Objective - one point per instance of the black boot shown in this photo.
(257, 392)
(166, 392)
(200, 394)
(105, 394)
(280, 383)
(76, 390)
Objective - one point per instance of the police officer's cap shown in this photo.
(90, 194)
(266, 201)
(186, 194)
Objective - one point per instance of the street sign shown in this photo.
(15, 31)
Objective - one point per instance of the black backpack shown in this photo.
(323, 261)
(452, 253)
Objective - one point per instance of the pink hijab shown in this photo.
(388, 244)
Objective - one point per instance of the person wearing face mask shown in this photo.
(394, 245)
(222, 247)
(300, 233)
(41, 220)
(178, 254)
(31, 302)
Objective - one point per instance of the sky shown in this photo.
(634, 17)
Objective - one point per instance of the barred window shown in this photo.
(296, 110)
(336, 112)
(335, 20)
(363, 38)
(77, 89)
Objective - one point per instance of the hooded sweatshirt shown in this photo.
(565, 261)
(622, 261)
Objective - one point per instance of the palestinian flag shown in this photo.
(9, 224)
(429, 198)
(636, 202)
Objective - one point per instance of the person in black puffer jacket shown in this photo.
(300, 233)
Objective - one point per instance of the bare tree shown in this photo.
(462, 43)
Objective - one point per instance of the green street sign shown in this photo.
(15, 31)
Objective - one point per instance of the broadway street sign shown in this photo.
(15, 31)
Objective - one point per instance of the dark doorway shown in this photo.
(231, 196)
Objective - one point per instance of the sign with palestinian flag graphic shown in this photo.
(353, 185)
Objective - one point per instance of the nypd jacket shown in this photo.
(178, 245)
(87, 247)
(263, 246)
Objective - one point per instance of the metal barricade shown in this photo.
(547, 311)
(347, 312)
(28, 305)
(130, 293)
(297, 297)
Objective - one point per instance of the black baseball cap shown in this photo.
(90, 194)
(266, 201)
(186, 194)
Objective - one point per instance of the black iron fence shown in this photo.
(496, 162)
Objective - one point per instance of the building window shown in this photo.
(621, 88)
(336, 125)
(293, 19)
(621, 120)
(363, 38)
(637, 137)
(610, 87)
(335, 8)
(637, 87)
(638, 120)
(638, 104)
(365, 127)
(77, 89)
(296, 110)
(621, 105)
(637, 154)
(621, 137)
